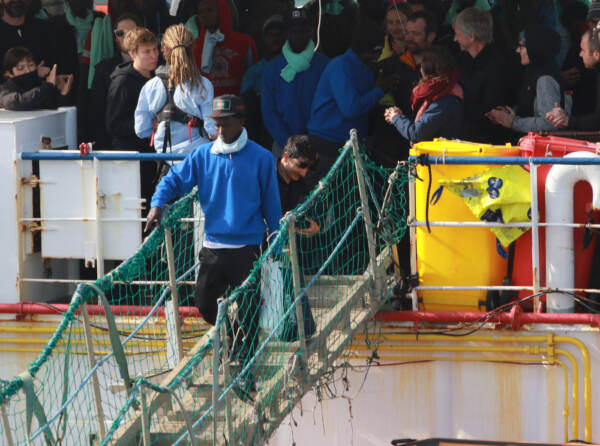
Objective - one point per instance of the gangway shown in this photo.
(284, 371)
(192, 392)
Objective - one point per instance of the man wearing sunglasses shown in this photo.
(98, 92)
(299, 156)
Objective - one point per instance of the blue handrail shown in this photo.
(105, 156)
(512, 160)
(455, 160)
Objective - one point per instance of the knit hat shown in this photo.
(274, 21)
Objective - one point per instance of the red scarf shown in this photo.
(433, 90)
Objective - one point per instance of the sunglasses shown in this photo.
(119, 33)
(305, 164)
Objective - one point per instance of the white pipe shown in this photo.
(560, 254)
(535, 230)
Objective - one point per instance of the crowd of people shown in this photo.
(144, 76)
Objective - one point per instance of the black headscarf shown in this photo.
(543, 44)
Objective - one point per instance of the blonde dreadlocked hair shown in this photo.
(178, 41)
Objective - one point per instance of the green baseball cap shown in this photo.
(227, 105)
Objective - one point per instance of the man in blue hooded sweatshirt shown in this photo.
(238, 192)
(289, 83)
(346, 92)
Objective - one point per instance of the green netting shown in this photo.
(240, 378)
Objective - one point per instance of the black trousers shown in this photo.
(223, 269)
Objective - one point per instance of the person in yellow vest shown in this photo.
(395, 26)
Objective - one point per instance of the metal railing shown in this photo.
(533, 164)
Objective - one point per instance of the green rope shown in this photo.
(33, 407)
(115, 340)
(65, 393)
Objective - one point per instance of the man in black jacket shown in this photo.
(126, 82)
(590, 54)
(299, 155)
(97, 94)
(481, 75)
(386, 145)
(17, 28)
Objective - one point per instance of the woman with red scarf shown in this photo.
(436, 100)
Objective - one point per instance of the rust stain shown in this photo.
(508, 389)
(412, 385)
(32, 180)
(426, 390)
(116, 205)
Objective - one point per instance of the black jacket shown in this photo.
(484, 88)
(34, 34)
(591, 121)
(292, 193)
(28, 92)
(385, 144)
(123, 93)
(97, 99)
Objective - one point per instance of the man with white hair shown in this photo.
(481, 74)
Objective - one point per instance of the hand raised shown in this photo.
(51, 79)
(42, 70)
(64, 82)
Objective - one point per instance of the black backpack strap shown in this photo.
(170, 112)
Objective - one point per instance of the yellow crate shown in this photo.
(450, 256)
